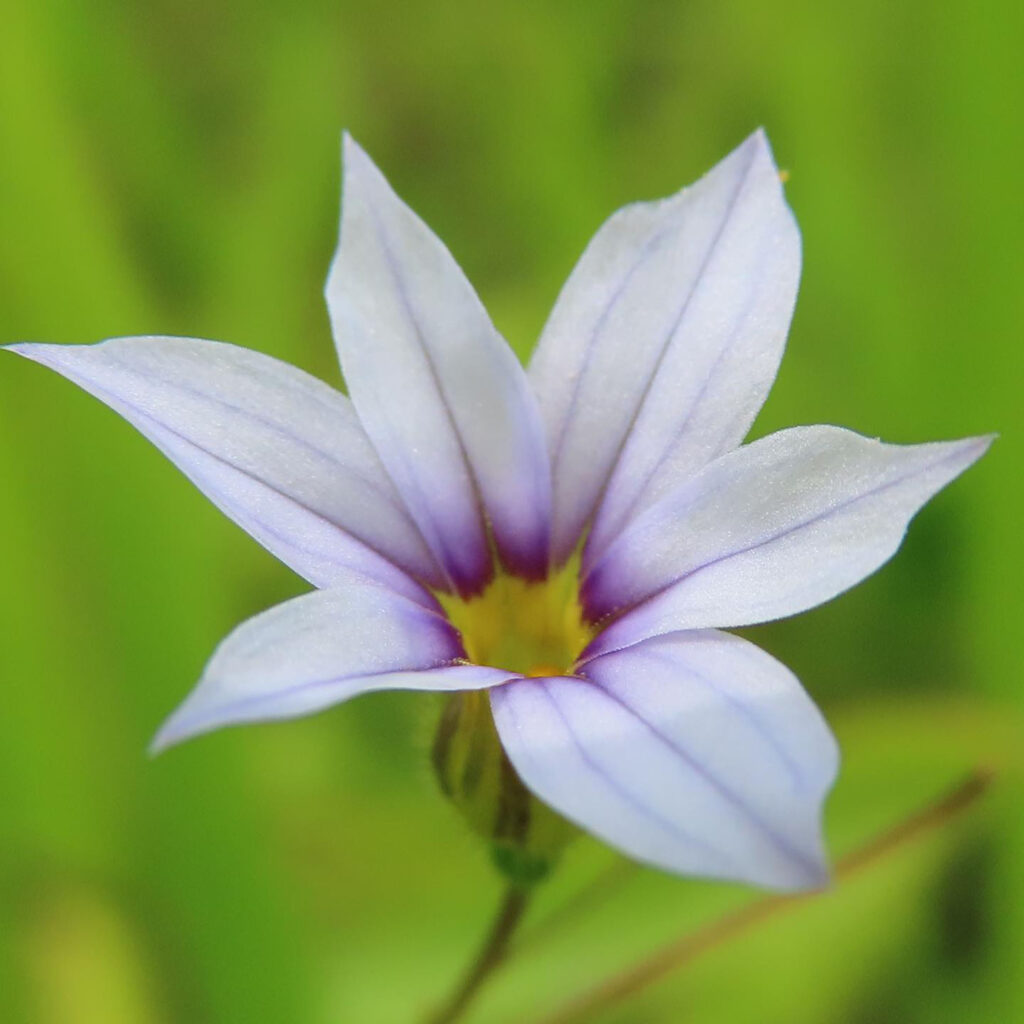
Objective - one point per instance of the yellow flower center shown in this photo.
(533, 629)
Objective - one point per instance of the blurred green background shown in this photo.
(172, 167)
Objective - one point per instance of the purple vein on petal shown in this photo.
(646, 252)
(594, 548)
(723, 791)
(449, 561)
(573, 512)
(744, 710)
(607, 613)
(684, 308)
(666, 823)
(274, 428)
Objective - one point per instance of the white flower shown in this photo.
(455, 490)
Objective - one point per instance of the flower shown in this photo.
(572, 537)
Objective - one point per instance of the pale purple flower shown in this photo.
(687, 748)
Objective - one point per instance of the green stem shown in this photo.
(489, 956)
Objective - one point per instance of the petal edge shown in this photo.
(321, 649)
(772, 529)
(430, 376)
(697, 753)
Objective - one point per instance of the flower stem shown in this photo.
(489, 956)
(690, 946)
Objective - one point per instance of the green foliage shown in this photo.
(173, 167)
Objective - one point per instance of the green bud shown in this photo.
(525, 835)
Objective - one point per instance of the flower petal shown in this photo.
(321, 649)
(440, 393)
(278, 451)
(665, 341)
(695, 752)
(774, 528)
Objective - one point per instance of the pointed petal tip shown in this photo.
(180, 727)
(981, 443)
(759, 147)
(796, 876)
(819, 880)
(175, 729)
(349, 144)
(157, 745)
(354, 158)
(810, 873)
(758, 143)
(58, 355)
(361, 182)
(759, 137)
(164, 739)
(754, 149)
(27, 349)
(358, 172)
(965, 452)
(794, 872)
(800, 863)
(47, 353)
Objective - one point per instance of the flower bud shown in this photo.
(525, 835)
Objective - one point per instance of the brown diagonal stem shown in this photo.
(689, 947)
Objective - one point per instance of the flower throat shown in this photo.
(530, 628)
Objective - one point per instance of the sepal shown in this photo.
(526, 836)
